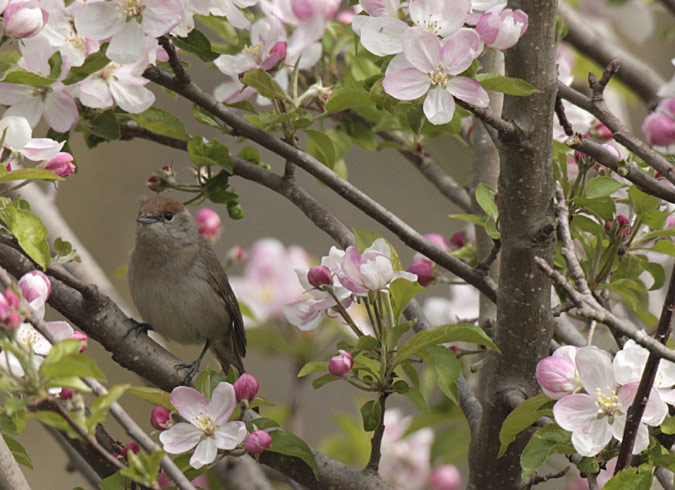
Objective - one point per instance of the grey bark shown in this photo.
(524, 319)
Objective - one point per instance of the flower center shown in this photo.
(439, 77)
(128, 8)
(206, 424)
(431, 24)
(608, 405)
(109, 71)
(255, 51)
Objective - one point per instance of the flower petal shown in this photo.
(439, 106)
(180, 438)
(189, 402)
(230, 435)
(590, 440)
(595, 369)
(468, 90)
(204, 454)
(127, 45)
(422, 49)
(406, 84)
(223, 402)
(382, 35)
(574, 412)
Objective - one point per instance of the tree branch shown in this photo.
(639, 76)
(308, 163)
(636, 410)
(596, 106)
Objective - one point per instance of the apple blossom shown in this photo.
(446, 477)
(207, 427)
(35, 285)
(257, 442)
(67, 393)
(24, 18)
(424, 272)
(131, 446)
(61, 164)
(82, 337)
(458, 240)
(501, 28)
(246, 387)
(208, 223)
(341, 364)
(430, 69)
(318, 276)
(629, 363)
(600, 413)
(659, 126)
(27, 335)
(557, 374)
(127, 24)
(53, 102)
(160, 417)
(18, 139)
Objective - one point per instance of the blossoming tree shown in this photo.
(550, 354)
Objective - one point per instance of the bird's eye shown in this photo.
(168, 216)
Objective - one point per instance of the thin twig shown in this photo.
(562, 118)
(182, 76)
(508, 131)
(647, 381)
(376, 441)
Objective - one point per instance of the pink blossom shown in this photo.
(557, 374)
(208, 223)
(319, 275)
(246, 387)
(61, 164)
(82, 337)
(341, 364)
(160, 417)
(601, 132)
(35, 285)
(446, 477)
(429, 68)
(67, 393)
(424, 270)
(207, 427)
(19, 140)
(501, 28)
(257, 442)
(24, 19)
(659, 126)
(133, 447)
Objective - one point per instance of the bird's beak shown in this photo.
(146, 220)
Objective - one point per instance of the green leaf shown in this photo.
(441, 334)
(203, 116)
(523, 416)
(196, 43)
(446, 368)
(93, 63)
(113, 482)
(367, 342)
(323, 380)
(642, 202)
(52, 419)
(18, 451)
(29, 232)
(471, 218)
(402, 291)
(72, 365)
(106, 126)
(639, 478)
(23, 77)
(602, 186)
(601, 206)
(364, 238)
(313, 367)
(485, 196)
(291, 445)
(161, 122)
(55, 62)
(102, 404)
(264, 84)
(27, 174)
(153, 395)
(668, 426)
(588, 465)
(14, 422)
(209, 153)
(371, 413)
(665, 247)
(321, 147)
(347, 96)
(507, 85)
(546, 441)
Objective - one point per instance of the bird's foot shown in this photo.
(137, 327)
(192, 370)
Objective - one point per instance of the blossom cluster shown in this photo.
(595, 391)
(434, 42)
(341, 277)
(207, 427)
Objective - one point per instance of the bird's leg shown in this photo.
(137, 327)
(193, 367)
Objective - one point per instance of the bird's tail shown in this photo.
(227, 355)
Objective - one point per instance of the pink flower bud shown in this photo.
(501, 29)
(61, 164)
(601, 132)
(159, 417)
(659, 129)
(557, 376)
(302, 9)
(23, 20)
(12, 321)
(458, 240)
(246, 387)
(446, 477)
(319, 275)
(34, 285)
(133, 447)
(277, 53)
(236, 254)
(66, 393)
(670, 221)
(424, 271)
(257, 442)
(154, 184)
(439, 240)
(208, 223)
(341, 364)
(12, 300)
(82, 337)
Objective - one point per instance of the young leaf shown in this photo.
(602, 186)
(347, 96)
(639, 478)
(507, 85)
(72, 365)
(548, 440)
(446, 368)
(321, 147)
(291, 445)
(29, 232)
(264, 84)
(485, 196)
(364, 238)
(18, 451)
(520, 419)
(102, 404)
(161, 122)
(23, 77)
(196, 43)
(27, 174)
(371, 413)
(313, 367)
(402, 291)
(93, 63)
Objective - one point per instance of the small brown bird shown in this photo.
(180, 287)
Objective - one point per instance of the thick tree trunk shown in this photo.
(524, 320)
